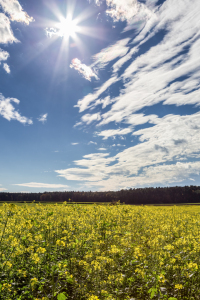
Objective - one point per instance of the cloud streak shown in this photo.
(86, 71)
(89, 99)
(104, 57)
(42, 185)
(113, 132)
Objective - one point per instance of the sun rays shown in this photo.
(67, 27)
(70, 28)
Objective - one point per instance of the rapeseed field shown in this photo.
(99, 252)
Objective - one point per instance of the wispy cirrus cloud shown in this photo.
(8, 111)
(42, 185)
(113, 132)
(91, 168)
(110, 53)
(74, 144)
(89, 118)
(89, 99)
(86, 71)
(43, 118)
(15, 11)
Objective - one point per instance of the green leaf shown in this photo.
(172, 298)
(61, 296)
(70, 280)
(152, 291)
(49, 214)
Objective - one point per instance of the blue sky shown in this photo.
(99, 95)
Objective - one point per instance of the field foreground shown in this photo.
(99, 252)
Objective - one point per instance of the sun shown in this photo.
(67, 27)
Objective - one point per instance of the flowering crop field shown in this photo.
(101, 252)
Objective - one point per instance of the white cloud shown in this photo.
(8, 111)
(2, 189)
(106, 101)
(154, 76)
(138, 119)
(86, 71)
(6, 68)
(91, 168)
(43, 118)
(106, 55)
(122, 11)
(113, 132)
(42, 185)
(15, 11)
(50, 32)
(85, 103)
(6, 34)
(191, 179)
(3, 55)
(156, 159)
(133, 12)
(91, 142)
(116, 67)
(88, 118)
(102, 149)
(74, 144)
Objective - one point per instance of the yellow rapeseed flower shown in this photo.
(178, 286)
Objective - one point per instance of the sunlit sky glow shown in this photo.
(99, 95)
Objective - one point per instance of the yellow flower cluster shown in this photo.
(6, 286)
(60, 243)
(99, 251)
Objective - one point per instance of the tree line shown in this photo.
(158, 195)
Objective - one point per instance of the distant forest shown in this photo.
(164, 195)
